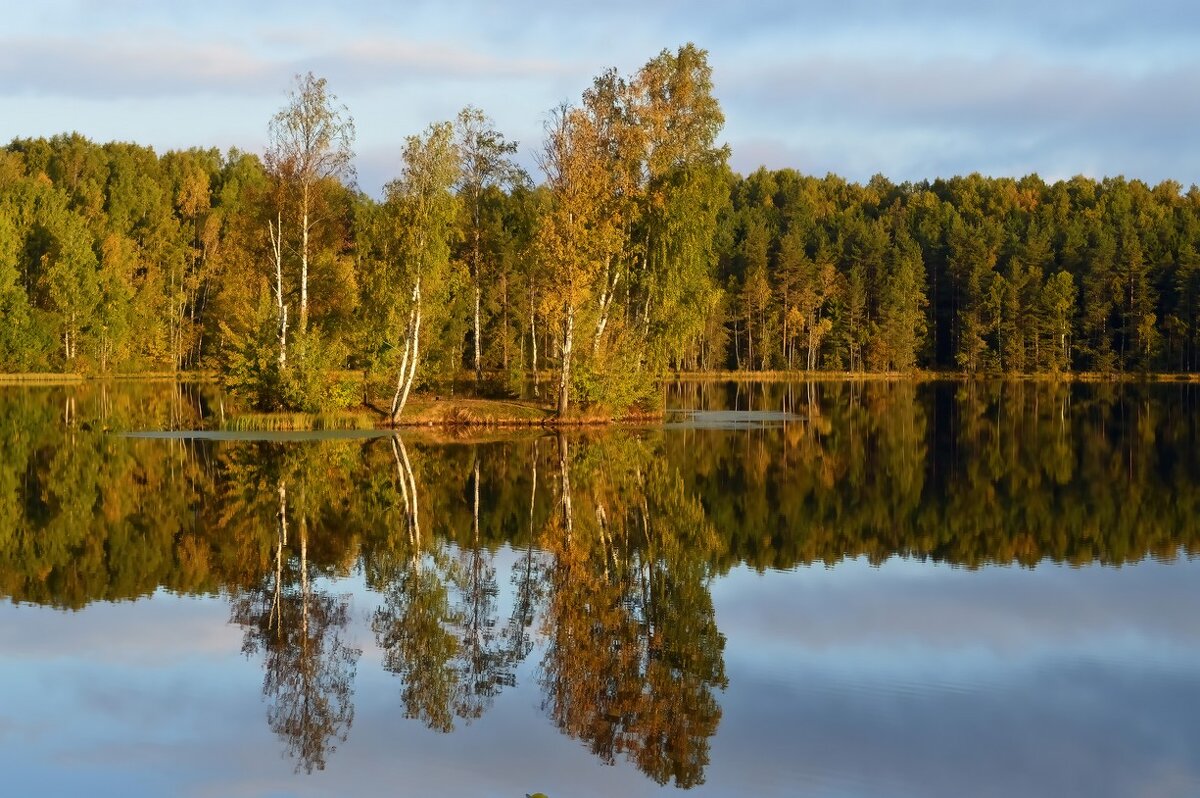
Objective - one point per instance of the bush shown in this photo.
(306, 382)
(621, 387)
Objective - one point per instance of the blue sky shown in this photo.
(914, 89)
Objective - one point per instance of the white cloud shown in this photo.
(913, 90)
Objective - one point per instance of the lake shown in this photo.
(822, 589)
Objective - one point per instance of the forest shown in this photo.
(634, 253)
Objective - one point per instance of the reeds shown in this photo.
(298, 422)
(38, 378)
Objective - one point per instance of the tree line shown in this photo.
(972, 274)
(636, 252)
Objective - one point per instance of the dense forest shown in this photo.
(635, 251)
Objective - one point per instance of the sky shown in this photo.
(912, 89)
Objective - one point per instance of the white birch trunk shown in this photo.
(606, 298)
(564, 378)
(411, 347)
(478, 337)
(304, 265)
(276, 232)
(533, 344)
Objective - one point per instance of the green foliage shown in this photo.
(18, 352)
(250, 360)
(622, 386)
(307, 381)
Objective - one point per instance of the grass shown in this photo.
(299, 422)
(798, 375)
(37, 378)
(463, 412)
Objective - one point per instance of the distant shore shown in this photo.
(437, 411)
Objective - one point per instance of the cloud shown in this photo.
(142, 66)
(165, 65)
(913, 90)
(922, 118)
(1069, 729)
(1010, 92)
(938, 610)
(368, 56)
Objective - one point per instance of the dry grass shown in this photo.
(36, 378)
(299, 422)
(73, 378)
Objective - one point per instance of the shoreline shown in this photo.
(438, 412)
(918, 375)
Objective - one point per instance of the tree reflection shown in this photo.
(437, 622)
(298, 628)
(613, 538)
(633, 653)
(411, 623)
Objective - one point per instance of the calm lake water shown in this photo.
(834, 590)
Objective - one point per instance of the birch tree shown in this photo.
(685, 190)
(310, 142)
(576, 232)
(485, 161)
(421, 210)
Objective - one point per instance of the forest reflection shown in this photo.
(616, 536)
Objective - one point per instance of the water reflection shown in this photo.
(633, 653)
(618, 536)
(295, 627)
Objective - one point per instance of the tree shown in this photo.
(310, 142)
(71, 281)
(1058, 298)
(685, 190)
(577, 234)
(14, 303)
(485, 160)
(421, 210)
(902, 306)
(972, 259)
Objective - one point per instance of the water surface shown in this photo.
(820, 589)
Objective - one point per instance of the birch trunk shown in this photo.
(304, 264)
(606, 298)
(564, 378)
(276, 232)
(478, 341)
(533, 344)
(504, 305)
(408, 364)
